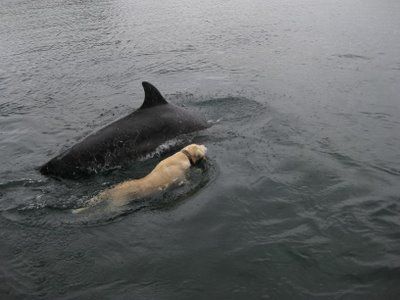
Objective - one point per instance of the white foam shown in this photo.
(164, 147)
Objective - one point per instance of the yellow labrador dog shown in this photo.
(171, 171)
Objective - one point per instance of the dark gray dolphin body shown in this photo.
(126, 139)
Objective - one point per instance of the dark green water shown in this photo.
(300, 196)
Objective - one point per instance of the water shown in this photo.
(300, 196)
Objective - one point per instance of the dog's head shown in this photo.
(197, 152)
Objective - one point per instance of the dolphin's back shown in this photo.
(127, 138)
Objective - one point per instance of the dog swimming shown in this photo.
(170, 172)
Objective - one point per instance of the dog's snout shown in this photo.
(204, 148)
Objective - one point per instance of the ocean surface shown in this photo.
(300, 195)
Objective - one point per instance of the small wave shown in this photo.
(27, 182)
(352, 56)
(12, 108)
(213, 122)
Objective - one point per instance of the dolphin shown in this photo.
(126, 139)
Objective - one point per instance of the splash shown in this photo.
(164, 148)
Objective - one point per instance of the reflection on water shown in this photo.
(300, 199)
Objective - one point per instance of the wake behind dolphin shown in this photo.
(128, 138)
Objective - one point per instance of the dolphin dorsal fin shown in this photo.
(152, 97)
